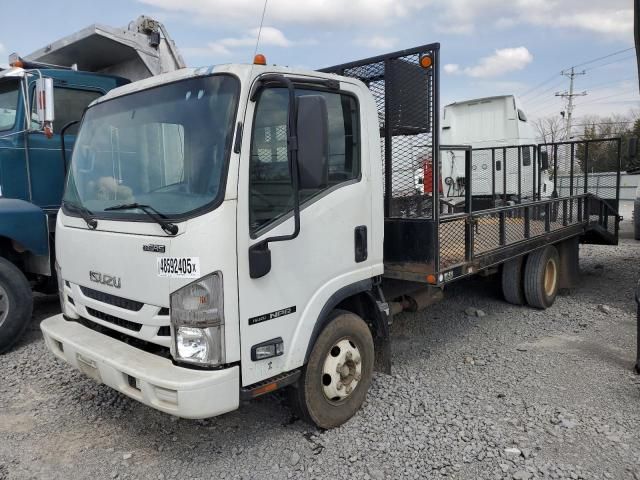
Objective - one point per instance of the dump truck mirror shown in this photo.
(313, 141)
(632, 147)
(44, 105)
(544, 160)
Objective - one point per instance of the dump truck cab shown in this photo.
(32, 172)
(41, 96)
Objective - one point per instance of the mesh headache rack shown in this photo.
(506, 201)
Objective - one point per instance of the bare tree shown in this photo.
(549, 129)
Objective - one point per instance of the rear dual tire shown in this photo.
(541, 277)
(533, 281)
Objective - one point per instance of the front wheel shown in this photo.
(335, 381)
(16, 304)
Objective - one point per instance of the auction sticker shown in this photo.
(179, 267)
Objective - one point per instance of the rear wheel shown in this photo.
(335, 381)
(541, 277)
(16, 304)
(512, 287)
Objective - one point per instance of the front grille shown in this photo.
(112, 299)
(134, 342)
(120, 322)
(164, 331)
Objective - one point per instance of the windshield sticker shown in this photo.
(179, 267)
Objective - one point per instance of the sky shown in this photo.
(488, 47)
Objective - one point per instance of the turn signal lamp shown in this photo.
(426, 61)
(15, 61)
(259, 59)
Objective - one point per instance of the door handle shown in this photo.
(360, 239)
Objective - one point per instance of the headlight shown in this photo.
(197, 322)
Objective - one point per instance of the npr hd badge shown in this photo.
(272, 315)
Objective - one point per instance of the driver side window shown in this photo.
(271, 192)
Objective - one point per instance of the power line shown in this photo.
(588, 62)
(611, 82)
(611, 62)
(597, 99)
(536, 87)
(603, 57)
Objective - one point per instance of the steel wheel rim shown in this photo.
(550, 277)
(4, 305)
(341, 371)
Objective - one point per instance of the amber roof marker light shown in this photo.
(426, 61)
(259, 59)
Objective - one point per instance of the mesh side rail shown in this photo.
(585, 166)
(406, 96)
(468, 237)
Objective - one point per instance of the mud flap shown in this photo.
(569, 264)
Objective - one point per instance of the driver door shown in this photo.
(305, 271)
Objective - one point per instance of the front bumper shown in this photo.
(143, 376)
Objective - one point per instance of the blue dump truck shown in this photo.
(41, 99)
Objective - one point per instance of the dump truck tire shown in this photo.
(512, 285)
(335, 380)
(16, 304)
(541, 277)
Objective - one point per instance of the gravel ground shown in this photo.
(517, 393)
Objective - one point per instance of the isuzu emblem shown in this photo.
(104, 279)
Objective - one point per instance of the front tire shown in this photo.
(16, 304)
(541, 277)
(335, 381)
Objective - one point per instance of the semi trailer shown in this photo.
(68, 74)
(232, 230)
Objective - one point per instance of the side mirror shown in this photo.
(544, 160)
(44, 105)
(632, 147)
(313, 141)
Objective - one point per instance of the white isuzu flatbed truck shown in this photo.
(228, 231)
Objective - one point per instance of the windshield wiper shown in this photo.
(84, 212)
(158, 217)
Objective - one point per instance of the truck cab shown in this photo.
(196, 284)
(487, 124)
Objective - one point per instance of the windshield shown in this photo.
(8, 103)
(166, 147)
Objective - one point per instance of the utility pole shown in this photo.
(571, 74)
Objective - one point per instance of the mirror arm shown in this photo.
(259, 254)
(62, 144)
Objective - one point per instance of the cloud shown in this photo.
(268, 36)
(613, 18)
(2, 48)
(503, 60)
(314, 12)
(377, 42)
(452, 68)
